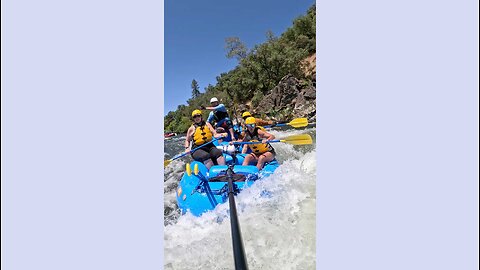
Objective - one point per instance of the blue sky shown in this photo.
(195, 33)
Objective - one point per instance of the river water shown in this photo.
(278, 231)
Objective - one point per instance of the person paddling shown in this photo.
(258, 121)
(202, 132)
(261, 153)
(220, 117)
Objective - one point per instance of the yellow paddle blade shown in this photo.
(298, 122)
(166, 162)
(301, 139)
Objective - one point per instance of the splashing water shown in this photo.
(276, 215)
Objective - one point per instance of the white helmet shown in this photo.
(214, 99)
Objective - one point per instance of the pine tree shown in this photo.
(195, 89)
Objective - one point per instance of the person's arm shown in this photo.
(244, 139)
(210, 117)
(188, 138)
(266, 136)
(232, 133)
(261, 122)
(219, 107)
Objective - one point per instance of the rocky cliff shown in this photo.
(291, 98)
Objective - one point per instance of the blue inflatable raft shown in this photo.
(201, 190)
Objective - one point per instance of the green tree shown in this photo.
(195, 89)
(235, 48)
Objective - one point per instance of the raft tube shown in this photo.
(203, 191)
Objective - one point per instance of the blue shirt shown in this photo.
(220, 108)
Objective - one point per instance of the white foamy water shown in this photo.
(278, 230)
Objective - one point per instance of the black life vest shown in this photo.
(218, 115)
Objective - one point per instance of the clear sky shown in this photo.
(195, 33)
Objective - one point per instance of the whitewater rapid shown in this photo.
(278, 230)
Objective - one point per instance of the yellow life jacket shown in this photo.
(258, 149)
(202, 134)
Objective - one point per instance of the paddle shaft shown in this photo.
(272, 141)
(276, 125)
(235, 114)
(238, 250)
(301, 139)
(296, 123)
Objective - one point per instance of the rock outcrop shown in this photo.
(309, 67)
(291, 98)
